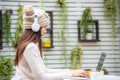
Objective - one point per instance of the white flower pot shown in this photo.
(89, 36)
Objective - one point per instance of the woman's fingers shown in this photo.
(84, 74)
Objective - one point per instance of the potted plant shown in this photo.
(89, 35)
(85, 21)
(76, 58)
(7, 25)
(5, 68)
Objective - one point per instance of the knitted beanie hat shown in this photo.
(28, 17)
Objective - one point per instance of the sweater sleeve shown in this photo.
(54, 70)
(35, 62)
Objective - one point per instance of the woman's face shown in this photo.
(43, 30)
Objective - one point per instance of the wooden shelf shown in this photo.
(49, 47)
(96, 24)
(94, 40)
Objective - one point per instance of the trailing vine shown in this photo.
(42, 4)
(76, 58)
(62, 21)
(7, 25)
(117, 3)
(110, 15)
(19, 29)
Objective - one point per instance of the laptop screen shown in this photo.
(101, 61)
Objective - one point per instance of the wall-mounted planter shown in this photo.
(90, 37)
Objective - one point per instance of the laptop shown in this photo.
(98, 68)
(101, 61)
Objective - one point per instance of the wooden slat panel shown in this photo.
(91, 51)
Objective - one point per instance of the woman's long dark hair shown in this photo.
(27, 37)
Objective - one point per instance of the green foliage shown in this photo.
(85, 21)
(104, 71)
(110, 15)
(42, 4)
(61, 3)
(62, 22)
(7, 25)
(5, 68)
(19, 29)
(117, 3)
(76, 57)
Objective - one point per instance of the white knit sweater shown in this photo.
(32, 67)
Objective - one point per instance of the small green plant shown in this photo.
(104, 71)
(76, 57)
(85, 21)
(19, 29)
(5, 68)
(7, 25)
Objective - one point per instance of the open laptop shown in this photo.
(98, 68)
(101, 61)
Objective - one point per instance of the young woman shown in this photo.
(28, 60)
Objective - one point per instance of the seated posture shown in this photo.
(28, 60)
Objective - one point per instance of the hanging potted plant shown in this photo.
(6, 69)
(19, 29)
(85, 21)
(62, 22)
(7, 25)
(76, 58)
(110, 15)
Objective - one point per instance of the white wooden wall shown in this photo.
(91, 51)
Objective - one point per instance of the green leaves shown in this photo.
(110, 9)
(110, 15)
(86, 20)
(5, 68)
(7, 25)
(61, 3)
(76, 56)
(19, 23)
(62, 22)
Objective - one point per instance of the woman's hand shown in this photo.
(79, 73)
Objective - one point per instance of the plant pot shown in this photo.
(89, 36)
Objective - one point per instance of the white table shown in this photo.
(110, 77)
(75, 78)
(105, 77)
